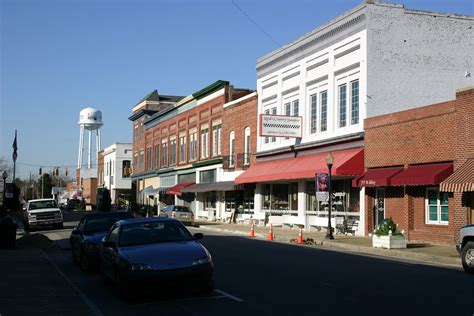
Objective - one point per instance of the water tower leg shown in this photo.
(81, 147)
(89, 151)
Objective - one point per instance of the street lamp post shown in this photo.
(4, 177)
(329, 161)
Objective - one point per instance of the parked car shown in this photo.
(181, 213)
(42, 213)
(86, 237)
(142, 252)
(465, 247)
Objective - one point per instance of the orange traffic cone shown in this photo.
(252, 231)
(173, 215)
(300, 236)
(270, 233)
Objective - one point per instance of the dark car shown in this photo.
(72, 204)
(88, 234)
(155, 252)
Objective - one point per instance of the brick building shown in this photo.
(180, 158)
(407, 155)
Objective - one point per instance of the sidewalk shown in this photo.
(439, 255)
(30, 284)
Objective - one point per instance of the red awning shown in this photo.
(176, 190)
(377, 177)
(349, 162)
(423, 174)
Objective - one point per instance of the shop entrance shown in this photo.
(471, 218)
(379, 206)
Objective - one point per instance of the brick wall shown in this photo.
(236, 118)
(435, 133)
(421, 135)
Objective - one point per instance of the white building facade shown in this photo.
(375, 59)
(117, 170)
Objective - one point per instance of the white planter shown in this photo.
(389, 242)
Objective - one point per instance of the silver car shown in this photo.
(181, 213)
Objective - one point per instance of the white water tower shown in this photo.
(89, 119)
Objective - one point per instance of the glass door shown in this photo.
(379, 206)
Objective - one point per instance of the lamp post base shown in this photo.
(329, 236)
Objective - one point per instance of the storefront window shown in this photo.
(207, 176)
(249, 200)
(280, 197)
(230, 201)
(210, 200)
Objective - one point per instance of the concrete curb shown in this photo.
(337, 246)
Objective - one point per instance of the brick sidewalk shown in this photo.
(443, 255)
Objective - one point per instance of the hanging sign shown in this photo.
(281, 126)
(322, 186)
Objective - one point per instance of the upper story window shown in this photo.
(204, 143)
(342, 105)
(126, 168)
(142, 131)
(274, 112)
(157, 156)
(292, 108)
(232, 149)
(216, 140)
(436, 205)
(135, 133)
(355, 102)
(172, 151)
(148, 158)
(182, 148)
(141, 160)
(348, 98)
(164, 154)
(247, 146)
(193, 145)
(135, 160)
(318, 118)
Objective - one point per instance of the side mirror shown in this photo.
(198, 236)
(109, 244)
(24, 208)
(76, 231)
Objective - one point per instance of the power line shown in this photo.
(256, 24)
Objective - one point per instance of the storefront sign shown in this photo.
(281, 126)
(322, 188)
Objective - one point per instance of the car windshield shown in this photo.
(153, 232)
(38, 205)
(99, 224)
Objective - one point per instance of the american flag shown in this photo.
(15, 147)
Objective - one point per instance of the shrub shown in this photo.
(387, 226)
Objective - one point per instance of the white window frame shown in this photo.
(347, 80)
(232, 149)
(182, 148)
(216, 140)
(439, 207)
(172, 149)
(247, 140)
(205, 143)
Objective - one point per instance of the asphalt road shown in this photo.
(254, 277)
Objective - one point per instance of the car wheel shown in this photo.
(84, 262)
(468, 257)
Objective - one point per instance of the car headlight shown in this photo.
(31, 216)
(140, 267)
(202, 261)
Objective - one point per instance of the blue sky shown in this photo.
(59, 56)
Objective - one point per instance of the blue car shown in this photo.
(158, 252)
(85, 238)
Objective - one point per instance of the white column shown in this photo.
(81, 146)
(89, 150)
(97, 143)
(361, 229)
(302, 204)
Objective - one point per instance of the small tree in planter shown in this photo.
(387, 236)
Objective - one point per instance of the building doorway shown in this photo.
(379, 206)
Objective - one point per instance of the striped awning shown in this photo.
(462, 180)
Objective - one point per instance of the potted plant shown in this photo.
(387, 236)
